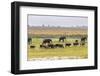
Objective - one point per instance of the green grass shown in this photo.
(73, 51)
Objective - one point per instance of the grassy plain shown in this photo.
(72, 52)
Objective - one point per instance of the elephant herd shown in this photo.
(48, 43)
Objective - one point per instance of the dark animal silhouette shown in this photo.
(62, 38)
(67, 44)
(76, 41)
(51, 45)
(83, 43)
(32, 46)
(76, 44)
(59, 45)
(47, 41)
(83, 39)
(29, 40)
(43, 46)
(47, 46)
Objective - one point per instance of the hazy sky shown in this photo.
(64, 21)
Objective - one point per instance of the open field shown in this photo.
(72, 52)
(38, 33)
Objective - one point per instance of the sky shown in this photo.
(62, 21)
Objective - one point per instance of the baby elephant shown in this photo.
(59, 45)
(32, 46)
(76, 44)
(43, 46)
(51, 46)
(67, 44)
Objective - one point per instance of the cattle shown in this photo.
(32, 46)
(59, 45)
(62, 38)
(67, 44)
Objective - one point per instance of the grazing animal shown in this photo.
(47, 41)
(51, 45)
(29, 40)
(62, 38)
(59, 45)
(76, 41)
(68, 44)
(43, 46)
(32, 46)
(83, 39)
(83, 44)
(76, 44)
(47, 46)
